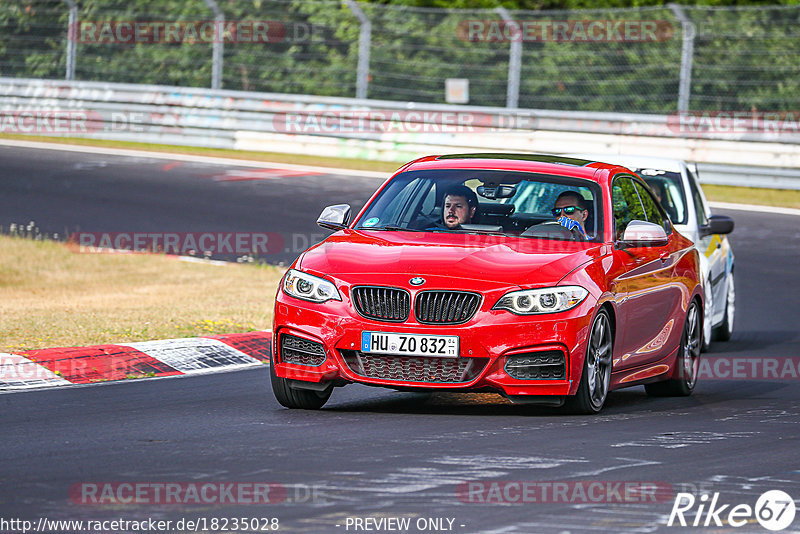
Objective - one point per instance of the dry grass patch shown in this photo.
(51, 297)
(786, 198)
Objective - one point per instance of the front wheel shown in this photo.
(304, 399)
(687, 362)
(596, 376)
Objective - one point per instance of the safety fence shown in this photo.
(733, 150)
(635, 60)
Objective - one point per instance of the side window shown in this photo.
(651, 209)
(697, 199)
(625, 203)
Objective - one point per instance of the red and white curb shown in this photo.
(104, 363)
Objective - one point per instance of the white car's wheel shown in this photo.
(724, 331)
(707, 329)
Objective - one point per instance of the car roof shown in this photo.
(633, 162)
(543, 163)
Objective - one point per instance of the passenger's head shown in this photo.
(571, 204)
(658, 188)
(460, 205)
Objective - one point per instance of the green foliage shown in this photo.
(744, 58)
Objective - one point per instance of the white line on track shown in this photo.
(753, 207)
(213, 160)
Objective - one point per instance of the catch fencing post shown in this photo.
(514, 58)
(364, 42)
(72, 38)
(687, 53)
(218, 45)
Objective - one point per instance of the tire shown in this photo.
(708, 335)
(724, 331)
(304, 399)
(596, 375)
(686, 365)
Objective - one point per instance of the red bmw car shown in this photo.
(465, 273)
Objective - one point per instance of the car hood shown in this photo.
(494, 259)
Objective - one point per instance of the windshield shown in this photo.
(668, 187)
(516, 204)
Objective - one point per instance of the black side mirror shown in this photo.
(335, 217)
(717, 224)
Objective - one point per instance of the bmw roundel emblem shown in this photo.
(416, 281)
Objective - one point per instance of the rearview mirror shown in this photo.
(496, 191)
(335, 217)
(717, 224)
(643, 234)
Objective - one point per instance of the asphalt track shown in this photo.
(374, 453)
(67, 192)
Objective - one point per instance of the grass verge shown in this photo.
(720, 193)
(785, 198)
(51, 297)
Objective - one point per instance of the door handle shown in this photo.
(664, 255)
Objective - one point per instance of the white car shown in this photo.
(675, 183)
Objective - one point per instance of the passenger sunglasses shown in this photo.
(569, 210)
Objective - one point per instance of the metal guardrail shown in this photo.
(374, 129)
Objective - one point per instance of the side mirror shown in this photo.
(335, 217)
(717, 224)
(643, 234)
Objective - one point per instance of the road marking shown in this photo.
(194, 355)
(753, 207)
(212, 160)
(18, 372)
(73, 366)
(236, 175)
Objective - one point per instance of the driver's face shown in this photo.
(456, 211)
(577, 215)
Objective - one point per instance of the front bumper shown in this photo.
(496, 347)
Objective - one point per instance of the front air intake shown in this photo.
(545, 365)
(301, 351)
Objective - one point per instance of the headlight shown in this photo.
(547, 300)
(304, 286)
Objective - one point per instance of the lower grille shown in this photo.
(301, 351)
(414, 368)
(547, 365)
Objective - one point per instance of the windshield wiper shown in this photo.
(391, 227)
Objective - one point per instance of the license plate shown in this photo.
(409, 344)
